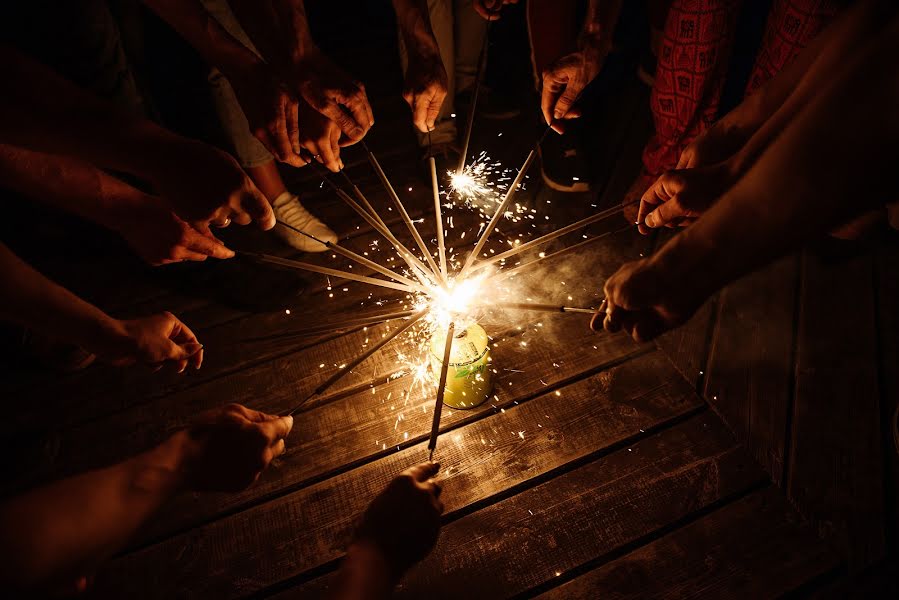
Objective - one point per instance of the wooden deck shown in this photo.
(744, 455)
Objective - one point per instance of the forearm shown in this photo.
(217, 47)
(32, 300)
(816, 175)
(41, 111)
(599, 24)
(763, 115)
(295, 34)
(414, 22)
(66, 529)
(68, 184)
(364, 574)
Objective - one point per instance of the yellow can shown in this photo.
(469, 378)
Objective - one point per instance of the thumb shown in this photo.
(565, 102)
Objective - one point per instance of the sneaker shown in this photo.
(564, 163)
(288, 210)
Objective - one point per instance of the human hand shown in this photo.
(564, 81)
(204, 186)
(320, 136)
(403, 521)
(333, 93)
(159, 237)
(679, 197)
(425, 86)
(156, 340)
(490, 9)
(716, 144)
(271, 111)
(640, 299)
(229, 447)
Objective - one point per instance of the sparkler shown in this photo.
(346, 324)
(344, 370)
(441, 389)
(441, 245)
(358, 258)
(296, 264)
(375, 221)
(404, 214)
(552, 235)
(544, 307)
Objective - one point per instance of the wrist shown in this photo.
(107, 336)
(368, 556)
(165, 467)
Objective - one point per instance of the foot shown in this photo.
(289, 211)
(631, 201)
(564, 163)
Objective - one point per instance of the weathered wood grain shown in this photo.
(479, 461)
(751, 548)
(835, 473)
(750, 370)
(593, 511)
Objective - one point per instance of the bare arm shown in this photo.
(32, 300)
(425, 86)
(74, 186)
(64, 530)
(41, 111)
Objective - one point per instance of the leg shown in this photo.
(791, 25)
(693, 59)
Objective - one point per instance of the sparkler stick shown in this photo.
(441, 389)
(438, 215)
(479, 77)
(319, 329)
(295, 264)
(500, 211)
(402, 210)
(552, 235)
(375, 222)
(544, 307)
(506, 273)
(359, 259)
(344, 370)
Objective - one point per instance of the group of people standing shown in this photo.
(808, 151)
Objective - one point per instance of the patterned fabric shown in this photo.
(693, 60)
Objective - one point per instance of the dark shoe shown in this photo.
(564, 163)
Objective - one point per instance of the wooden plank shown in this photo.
(597, 510)
(480, 460)
(751, 548)
(835, 473)
(750, 371)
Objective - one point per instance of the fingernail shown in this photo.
(649, 220)
(557, 114)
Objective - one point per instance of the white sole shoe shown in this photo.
(289, 211)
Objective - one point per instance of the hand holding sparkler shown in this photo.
(399, 528)
(641, 299)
